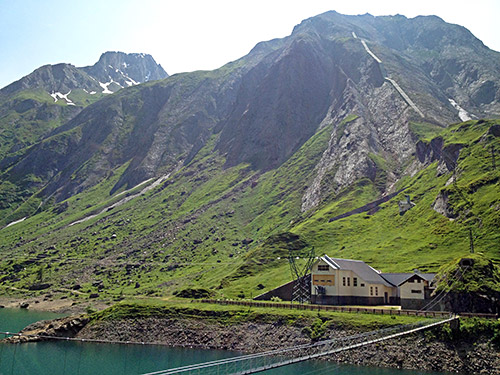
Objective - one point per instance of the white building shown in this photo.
(353, 282)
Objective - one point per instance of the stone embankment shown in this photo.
(423, 351)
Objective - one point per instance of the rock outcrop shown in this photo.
(333, 71)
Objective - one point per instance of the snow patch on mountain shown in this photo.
(15, 222)
(131, 82)
(105, 89)
(59, 95)
(462, 113)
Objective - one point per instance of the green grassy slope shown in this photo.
(225, 229)
(27, 117)
(423, 238)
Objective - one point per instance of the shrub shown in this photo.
(194, 293)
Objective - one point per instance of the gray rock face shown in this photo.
(53, 78)
(116, 68)
(333, 71)
(442, 207)
(381, 127)
(126, 69)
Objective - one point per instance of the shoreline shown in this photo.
(207, 329)
(61, 306)
(420, 351)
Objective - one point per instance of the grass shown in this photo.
(29, 115)
(216, 228)
(231, 314)
(202, 240)
(385, 239)
(425, 131)
(481, 277)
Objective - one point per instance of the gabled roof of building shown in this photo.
(400, 278)
(360, 268)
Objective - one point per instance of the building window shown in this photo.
(419, 281)
(354, 281)
(348, 281)
(371, 291)
(416, 291)
(343, 281)
(376, 290)
(323, 267)
(323, 280)
(362, 285)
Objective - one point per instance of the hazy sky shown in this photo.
(186, 35)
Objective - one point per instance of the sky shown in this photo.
(188, 35)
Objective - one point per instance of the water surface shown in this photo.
(62, 357)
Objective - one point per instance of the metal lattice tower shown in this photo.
(301, 274)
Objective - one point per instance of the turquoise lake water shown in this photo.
(58, 358)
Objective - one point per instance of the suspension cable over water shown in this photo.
(253, 363)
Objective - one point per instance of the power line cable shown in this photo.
(436, 300)
(13, 359)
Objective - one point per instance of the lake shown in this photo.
(61, 357)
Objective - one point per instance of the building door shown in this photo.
(386, 298)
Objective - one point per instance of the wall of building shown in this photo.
(417, 304)
(413, 289)
(346, 300)
(346, 287)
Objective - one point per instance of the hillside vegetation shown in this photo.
(203, 183)
(225, 229)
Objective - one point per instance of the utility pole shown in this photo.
(493, 157)
(471, 241)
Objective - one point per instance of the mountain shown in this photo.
(125, 69)
(201, 177)
(113, 71)
(35, 105)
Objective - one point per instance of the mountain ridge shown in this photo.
(296, 84)
(300, 130)
(62, 77)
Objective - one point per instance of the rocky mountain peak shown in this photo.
(113, 71)
(126, 69)
(51, 78)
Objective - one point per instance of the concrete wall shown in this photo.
(415, 304)
(347, 300)
(284, 292)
